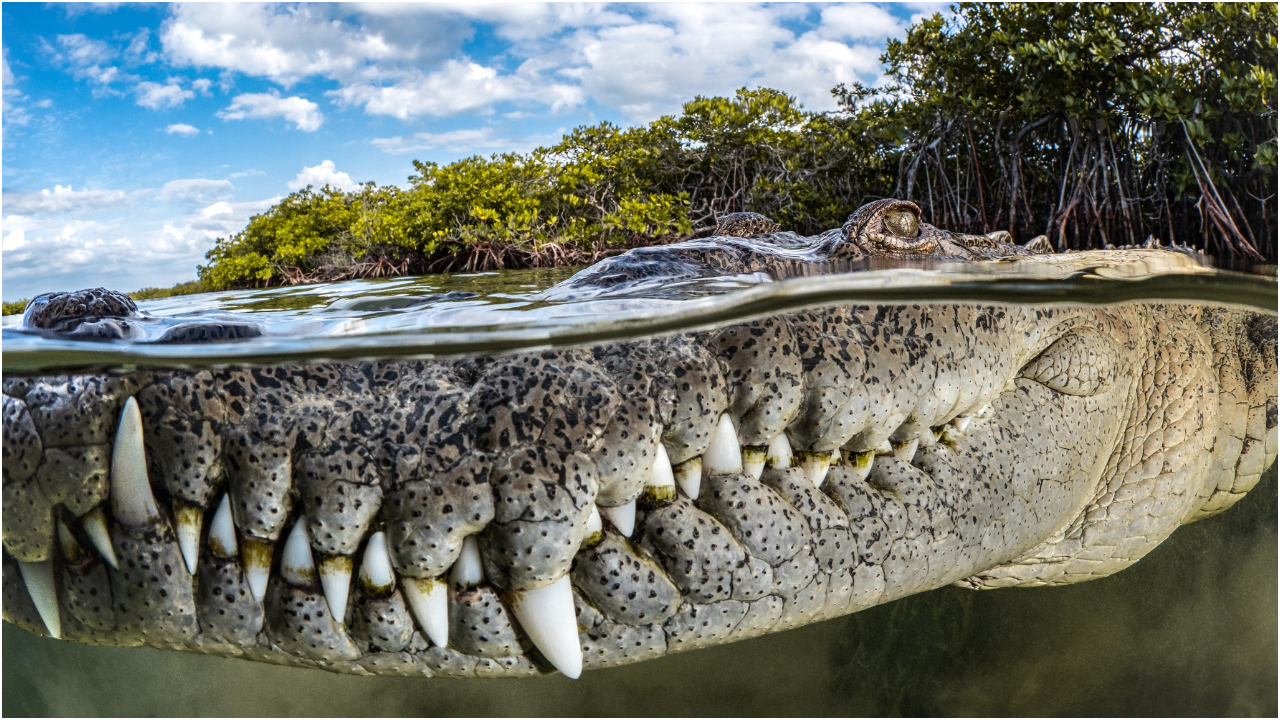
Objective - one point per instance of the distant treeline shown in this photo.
(1095, 124)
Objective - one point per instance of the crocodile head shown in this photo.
(599, 506)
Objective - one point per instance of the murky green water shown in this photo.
(1190, 630)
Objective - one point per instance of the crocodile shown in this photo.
(552, 510)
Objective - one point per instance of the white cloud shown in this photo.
(858, 22)
(182, 129)
(460, 86)
(303, 113)
(468, 140)
(14, 113)
(61, 199)
(156, 96)
(326, 173)
(195, 190)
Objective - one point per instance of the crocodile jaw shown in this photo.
(920, 450)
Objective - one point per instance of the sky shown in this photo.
(134, 136)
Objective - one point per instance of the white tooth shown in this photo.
(723, 456)
(131, 498)
(859, 465)
(815, 466)
(71, 549)
(779, 453)
(38, 577)
(467, 570)
(688, 476)
(94, 523)
(376, 575)
(594, 524)
(662, 483)
(961, 422)
(430, 604)
(623, 517)
(548, 617)
(257, 555)
(335, 579)
(884, 448)
(753, 461)
(296, 564)
(189, 519)
(906, 451)
(222, 531)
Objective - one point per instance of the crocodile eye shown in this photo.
(902, 222)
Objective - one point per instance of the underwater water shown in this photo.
(1189, 630)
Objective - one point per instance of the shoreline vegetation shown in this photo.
(1094, 124)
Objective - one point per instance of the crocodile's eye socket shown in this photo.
(902, 222)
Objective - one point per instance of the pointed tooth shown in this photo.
(376, 576)
(623, 517)
(594, 524)
(296, 564)
(723, 456)
(688, 476)
(779, 454)
(38, 577)
(661, 487)
(222, 531)
(257, 555)
(884, 448)
(467, 569)
(188, 518)
(815, 466)
(71, 549)
(94, 523)
(859, 465)
(906, 451)
(335, 579)
(131, 499)
(961, 422)
(753, 460)
(430, 604)
(549, 619)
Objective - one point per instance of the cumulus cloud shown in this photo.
(61, 200)
(195, 190)
(326, 173)
(304, 114)
(182, 129)
(467, 140)
(157, 97)
(459, 86)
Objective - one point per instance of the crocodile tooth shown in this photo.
(723, 456)
(335, 578)
(906, 451)
(593, 523)
(467, 570)
(662, 481)
(38, 577)
(188, 518)
(94, 523)
(296, 564)
(548, 618)
(623, 517)
(131, 498)
(884, 448)
(376, 576)
(257, 555)
(688, 475)
(779, 452)
(222, 531)
(753, 460)
(71, 549)
(859, 465)
(961, 422)
(815, 466)
(430, 604)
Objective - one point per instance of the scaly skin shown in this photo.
(983, 445)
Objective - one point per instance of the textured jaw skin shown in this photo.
(907, 447)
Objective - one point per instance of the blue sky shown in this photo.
(135, 135)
